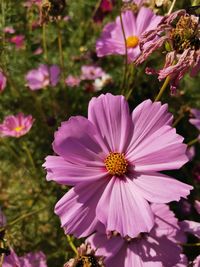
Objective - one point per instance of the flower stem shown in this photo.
(60, 48)
(126, 55)
(171, 7)
(11, 150)
(29, 156)
(73, 247)
(177, 120)
(192, 142)
(162, 89)
(44, 41)
(23, 216)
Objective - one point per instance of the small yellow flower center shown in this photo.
(18, 128)
(132, 41)
(116, 164)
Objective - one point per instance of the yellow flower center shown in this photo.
(116, 164)
(132, 41)
(18, 128)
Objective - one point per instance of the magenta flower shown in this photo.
(190, 227)
(3, 81)
(153, 249)
(196, 120)
(18, 40)
(43, 76)
(72, 81)
(91, 72)
(16, 126)
(37, 259)
(105, 7)
(179, 33)
(112, 39)
(113, 158)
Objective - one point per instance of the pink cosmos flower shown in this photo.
(29, 3)
(112, 159)
(112, 39)
(16, 126)
(43, 76)
(72, 81)
(18, 40)
(196, 120)
(37, 259)
(91, 72)
(158, 248)
(9, 29)
(3, 81)
(179, 32)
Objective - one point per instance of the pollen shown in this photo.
(87, 261)
(132, 41)
(18, 128)
(116, 164)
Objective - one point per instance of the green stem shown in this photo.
(29, 156)
(191, 245)
(4, 142)
(60, 48)
(126, 56)
(171, 7)
(178, 120)
(44, 41)
(23, 216)
(192, 142)
(73, 247)
(162, 89)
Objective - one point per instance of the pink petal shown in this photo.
(64, 172)
(191, 227)
(147, 118)
(110, 115)
(77, 141)
(123, 209)
(159, 188)
(77, 208)
(162, 150)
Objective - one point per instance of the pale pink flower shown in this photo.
(179, 32)
(16, 125)
(112, 39)
(18, 40)
(30, 3)
(72, 81)
(9, 29)
(113, 160)
(89, 72)
(37, 259)
(43, 76)
(190, 152)
(158, 248)
(3, 81)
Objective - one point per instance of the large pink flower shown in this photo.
(16, 126)
(155, 249)
(37, 259)
(112, 159)
(112, 39)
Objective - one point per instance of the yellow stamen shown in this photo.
(132, 41)
(116, 164)
(18, 128)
